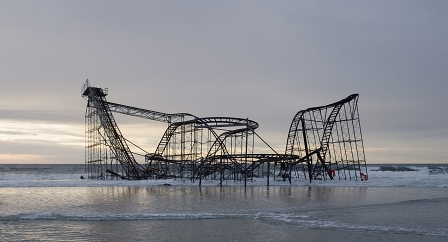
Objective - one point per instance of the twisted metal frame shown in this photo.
(323, 143)
(335, 131)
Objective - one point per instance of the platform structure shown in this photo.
(222, 148)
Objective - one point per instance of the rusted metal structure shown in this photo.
(332, 134)
(222, 148)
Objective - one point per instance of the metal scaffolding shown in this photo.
(323, 143)
(334, 131)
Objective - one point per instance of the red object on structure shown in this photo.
(364, 177)
(332, 173)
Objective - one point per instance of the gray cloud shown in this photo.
(258, 59)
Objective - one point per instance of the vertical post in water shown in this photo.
(305, 142)
(245, 163)
(290, 171)
(268, 174)
(200, 172)
(220, 171)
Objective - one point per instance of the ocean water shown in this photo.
(51, 203)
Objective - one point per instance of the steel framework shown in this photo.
(323, 143)
(334, 131)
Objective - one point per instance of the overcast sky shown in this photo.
(262, 60)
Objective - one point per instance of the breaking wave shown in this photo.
(160, 216)
(395, 168)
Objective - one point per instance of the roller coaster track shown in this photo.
(209, 123)
(219, 142)
(148, 114)
(330, 123)
(296, 130)
(323, 138)
(123, 154)
(292, 134)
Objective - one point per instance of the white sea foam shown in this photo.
(109, 217)
(379, 176)
(328, 224)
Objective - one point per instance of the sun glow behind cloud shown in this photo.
(22, 158)
(40, 142)
(36, 132)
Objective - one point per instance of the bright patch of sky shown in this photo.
(59, 134)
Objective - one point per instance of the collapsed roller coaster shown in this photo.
(323, 143)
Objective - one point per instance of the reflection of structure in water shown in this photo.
(323, 143)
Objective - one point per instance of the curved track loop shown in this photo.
(231, 126)
(334, 130)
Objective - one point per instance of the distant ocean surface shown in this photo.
(52, 203)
